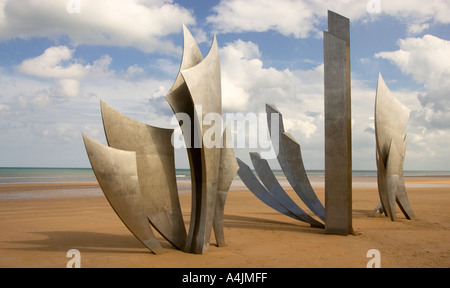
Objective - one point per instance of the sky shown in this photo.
(59, 58)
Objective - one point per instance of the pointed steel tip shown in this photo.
(184, 28)
(103, 104)
(214, 43)
(85, 137)
(241, 163)
(270, 108)
(154, 246)
(381, 82)
(290, 137)
(88, 141)
(332, 13)
(254, 155)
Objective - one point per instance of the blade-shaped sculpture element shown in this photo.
(117, 175)
(179, 97)
(203, 82)
(338, 129)
(276, 190)
(253, 184)
(155, 161)
(196, 93)
(228, 169)
(291, 162)
(182, 104)
(391, 120)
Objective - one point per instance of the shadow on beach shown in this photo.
(58, 241)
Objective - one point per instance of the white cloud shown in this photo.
(69, 87)
(48, 65)
(285, 16)
(302, 18)
(137, 23)
(135, 71)
(418, 12)
(4, 109)
(244, 77)
(52, 64)
(426, 60)
(58, 63)
(247, 86)
(41, 99)
(417, 28)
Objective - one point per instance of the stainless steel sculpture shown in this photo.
(337, 212)
(138, 178)
(338, 130)
(156, 170)
(117, 174)
(291, 162)
(276, 190)
(391, 119)
(227, 171)
(198, 85)
(271, 192)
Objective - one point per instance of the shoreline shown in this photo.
(237, 185)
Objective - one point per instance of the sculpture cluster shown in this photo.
(137, 171)
(390, 124)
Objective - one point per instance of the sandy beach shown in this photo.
(38, 232)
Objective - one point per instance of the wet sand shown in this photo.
(38, 232)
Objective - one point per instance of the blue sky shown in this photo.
(55, 67)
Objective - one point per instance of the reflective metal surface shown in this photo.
(142, 187)
(291, 162)
(391, 120)
(155, 162)
(276, 190)
(117, 175)
(338, 129)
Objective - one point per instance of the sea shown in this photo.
(11, 176)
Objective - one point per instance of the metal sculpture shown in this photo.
(271, 192)
(391, 119)
(291, 162)
(337, 212)
(138, 176)
(117, 174)
(276, 190)
(156, 170)
(338, 129)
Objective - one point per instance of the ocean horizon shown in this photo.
(37, 175)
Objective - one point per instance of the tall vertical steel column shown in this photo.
(338, 134)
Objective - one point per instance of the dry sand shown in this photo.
(39, 232)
